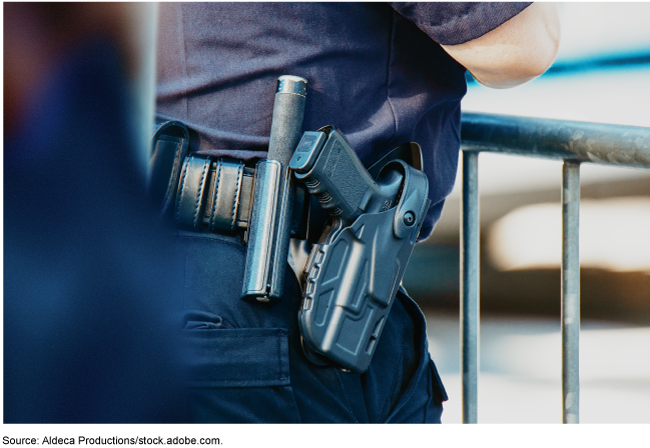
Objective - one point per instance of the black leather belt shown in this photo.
(214, 194)
(201, 193)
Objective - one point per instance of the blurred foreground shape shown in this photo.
(89, 279)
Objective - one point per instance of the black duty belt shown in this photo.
(214, 194)
(201, 193)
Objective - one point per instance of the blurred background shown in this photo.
(601, 75)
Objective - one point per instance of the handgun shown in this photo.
(353, 272)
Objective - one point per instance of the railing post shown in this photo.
(570, 291)
(469, 286)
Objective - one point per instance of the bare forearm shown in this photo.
(515, 52)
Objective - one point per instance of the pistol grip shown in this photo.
(326, 164)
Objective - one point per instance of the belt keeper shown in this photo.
(191, 190)
(225, 195)
(213, 194)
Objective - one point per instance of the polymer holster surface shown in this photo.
(353, 273)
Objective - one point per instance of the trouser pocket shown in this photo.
(423, 398)
(240, 375)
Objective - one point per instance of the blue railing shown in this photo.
(574, 143)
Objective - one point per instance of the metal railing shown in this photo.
(574, 143)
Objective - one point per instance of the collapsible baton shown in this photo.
(269, 229)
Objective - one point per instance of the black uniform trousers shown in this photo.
(246, 363)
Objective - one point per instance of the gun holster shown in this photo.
(353, 273)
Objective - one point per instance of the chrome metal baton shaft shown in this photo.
(269, 228)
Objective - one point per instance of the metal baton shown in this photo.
(269, 228)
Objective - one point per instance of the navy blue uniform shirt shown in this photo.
(375, 70)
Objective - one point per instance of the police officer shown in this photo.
(384, 74)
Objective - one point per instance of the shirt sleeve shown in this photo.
(454, 23)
